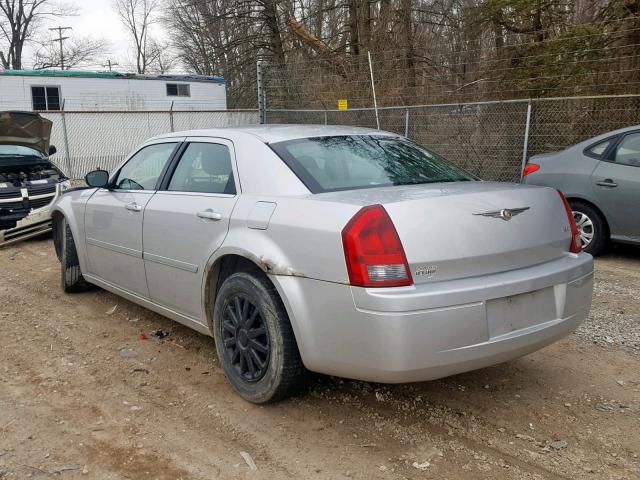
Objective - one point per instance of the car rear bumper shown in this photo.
(430, 331)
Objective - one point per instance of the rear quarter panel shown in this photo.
(569, 171)
(303, 237)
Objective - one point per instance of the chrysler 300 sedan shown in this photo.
(339, 250)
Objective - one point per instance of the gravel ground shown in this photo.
(82, 396)
(614, 320)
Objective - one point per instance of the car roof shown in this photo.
(606, 135)
(279, 133)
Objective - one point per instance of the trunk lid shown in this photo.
(456, 230)
(25, 129)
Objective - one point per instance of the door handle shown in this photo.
(210, 214)
(133, 206)
(607, 183)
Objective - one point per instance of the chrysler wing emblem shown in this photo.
(505, 214)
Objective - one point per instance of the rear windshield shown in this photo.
(326, 164)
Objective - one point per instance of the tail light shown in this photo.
(576, 246)
(530, 168)
(373, 251)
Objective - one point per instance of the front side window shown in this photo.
(327, 164)
(143, 170)
(178, 90)
(628, 152)
(45, 98)
(204, 168)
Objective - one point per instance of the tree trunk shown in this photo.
(365, 24)
(317, 27)
(354, 36)
(537, 23)
(275, 36)
(498, 32)
(409, 51)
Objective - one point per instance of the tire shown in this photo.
(70, 275)
(248, 319)
(593, 229)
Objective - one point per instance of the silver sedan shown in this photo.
(344, 251)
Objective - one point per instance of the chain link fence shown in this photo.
(101, 139)
(490, 139)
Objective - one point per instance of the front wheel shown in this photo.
(254, 339)
(591, 227)
(71, 276)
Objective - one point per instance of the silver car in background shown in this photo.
(601, 179)
(344, 251)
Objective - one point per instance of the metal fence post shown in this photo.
(406, 123)
(373, 89)
(171, 117)
(326, 119)
(525, 147)
(262, 101)
(65, 136)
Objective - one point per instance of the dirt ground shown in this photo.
(82, 397)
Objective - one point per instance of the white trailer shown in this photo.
(51, 90)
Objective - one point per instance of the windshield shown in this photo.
(18, 151)
(326, 164)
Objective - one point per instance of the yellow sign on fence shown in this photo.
(343, 104)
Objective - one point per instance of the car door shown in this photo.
(186, 221)
(616, 183)
(113, 219)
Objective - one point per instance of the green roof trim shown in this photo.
(60, 73)
(132, 76)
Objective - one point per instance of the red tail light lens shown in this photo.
(576, 245)
(373, 251)
(530, 168)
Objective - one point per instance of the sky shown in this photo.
(98, 19)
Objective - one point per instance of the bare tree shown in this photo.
(18, 22)
(77, 51)
(137, 16)
(162, 57)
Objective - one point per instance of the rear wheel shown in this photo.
(254, 339)
(591, 227)
(71, 276)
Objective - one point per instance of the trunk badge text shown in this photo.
(427, 272)
(505, 214)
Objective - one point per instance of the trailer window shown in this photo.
(178, 90)
(45, 98)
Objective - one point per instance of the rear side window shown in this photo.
(204, 168)
(599, 148)
(326, 164)
(628, 151)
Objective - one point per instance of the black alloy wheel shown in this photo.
(245, 338)
(254, 338)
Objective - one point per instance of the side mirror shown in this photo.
(52, 149)
(97, 178)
